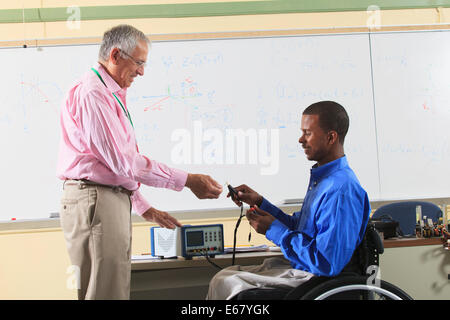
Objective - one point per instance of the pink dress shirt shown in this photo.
(98, 142)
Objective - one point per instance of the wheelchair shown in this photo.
(357, 281)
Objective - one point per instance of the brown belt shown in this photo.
(83, 183)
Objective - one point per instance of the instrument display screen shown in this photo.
(194, 238)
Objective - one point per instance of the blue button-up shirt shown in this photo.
(321, 237)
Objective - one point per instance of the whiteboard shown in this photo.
(412, 105)
(208, 90)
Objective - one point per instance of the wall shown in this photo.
(420, 271)
(35, 261)
(306, 17)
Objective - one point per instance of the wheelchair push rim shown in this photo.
(357, 285)
(360, 287)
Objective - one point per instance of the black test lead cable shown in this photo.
(205, 253)
(234, 195)
(235, 232)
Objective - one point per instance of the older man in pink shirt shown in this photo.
(103, 169)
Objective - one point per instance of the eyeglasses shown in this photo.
(137, 62)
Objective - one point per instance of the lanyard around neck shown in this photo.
(123, 108)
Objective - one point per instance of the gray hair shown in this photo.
(124, 37)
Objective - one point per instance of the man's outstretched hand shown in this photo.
(203, 186)
(162, 218)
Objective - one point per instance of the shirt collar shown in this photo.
(111, 84)
(328, 168)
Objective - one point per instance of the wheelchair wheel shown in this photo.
(355, 288)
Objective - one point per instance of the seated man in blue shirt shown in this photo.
(320, 238)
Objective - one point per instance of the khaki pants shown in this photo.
(97, 228)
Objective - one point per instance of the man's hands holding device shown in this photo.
(259, 219)
(205, 187)
(244, 193)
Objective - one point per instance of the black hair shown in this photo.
(332, 116)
